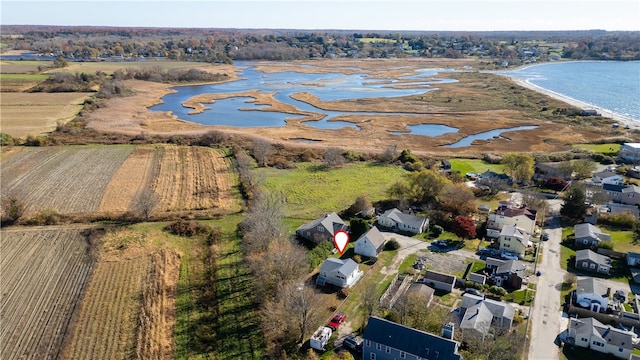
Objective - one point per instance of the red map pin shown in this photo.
(340, 240)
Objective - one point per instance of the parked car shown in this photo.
(336, 321)
(473, 291)
(538, 273)
(509, 256)
(544, 236)
(351, 343)
(441, 243)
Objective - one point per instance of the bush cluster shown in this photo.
(182, 227)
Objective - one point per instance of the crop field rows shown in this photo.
(67, 179)
(105, 327)
(44, 273)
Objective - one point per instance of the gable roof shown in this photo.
(609, 335)
(591, 285)
(344, 267)
(516, 232)
(497, 308)
(511, 267)
(436, 276)
(331, 222)
(612, 187)
(410, 340)
(477, 317)
(630, 189)
(402, 218)
(375, 237)
(605, 174)
(586, 254)
(510, 211)
(587, 230)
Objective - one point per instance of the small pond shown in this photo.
(487, 135)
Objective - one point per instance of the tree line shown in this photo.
(226, 45)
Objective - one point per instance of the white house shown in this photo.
(630, 152)
(399, 221)
(371, 243)
(591, 294)
(342, 273)
(506, 214)
(513, 239)
(591, 334)
(607, 177)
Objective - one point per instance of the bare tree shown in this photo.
(370, 299)
(457, 198)
(333, 157)
(390, 154)
(12, 209)
(146, 202)
(261, 150)
(263, 222)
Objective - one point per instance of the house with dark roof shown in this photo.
(502, 313)
(587, 260)
(624, 194)
(633, 259)
(439, 281)
(386, 340)
(607, 177)
(591, 334)
(615, 208)
(338, 272)
(506, 273)
(370, 243)
(591, 294)
(548, 170)
(588, 235)
(507, 214)
(398, 221)
(322, 229)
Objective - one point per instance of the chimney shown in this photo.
(447, 331)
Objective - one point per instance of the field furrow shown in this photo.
(71, 181)
(42, 283)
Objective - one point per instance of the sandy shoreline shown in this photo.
(622, 120)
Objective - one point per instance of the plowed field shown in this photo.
(43, 272)
(192, 178)
(65, 179)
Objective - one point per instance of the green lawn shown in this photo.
(605, 149)
(621, 239)
(565, 254)
(475, 166)
(312, 190)
(25, 77)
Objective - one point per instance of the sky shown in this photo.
(427, 15)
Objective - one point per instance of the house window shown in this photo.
(620, 349)
(584, 340)
(378, 347)
(388, 350)
(367, 343)
(320, 229)
(592, 266)
(402, 355)
(585, 265)
(373, 356)
(585, 241)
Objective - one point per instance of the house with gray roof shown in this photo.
(370, 243)
(502, 313)
(614, 208)
(338, 272)
(592, 334)
(588, 235)
(398, 221)
(607, 177)
(477, 320)
(506, 273)
(587, 260)
(322, 229)
(439, 281)
(592, 294)
(386, 340)
(514, 239)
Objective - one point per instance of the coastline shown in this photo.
(622, 120)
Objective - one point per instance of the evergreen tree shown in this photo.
(575, 198)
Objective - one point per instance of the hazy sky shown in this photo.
(469, 15)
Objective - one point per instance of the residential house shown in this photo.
(399, 221)
(386, 340)
(338, 272)
(592, 294)
(613, 208)
(588, 235)
(477, 320)
(607, 177)
(490, 177)
(439, 281)
(544, 171)
(502, 313)
(588, 260)
(506, 273)
(630, 152)
(477, 278)
(371, 243)
(507, 214)
(624, 194)
(422, 291)
(514, 239)
(322, 229)
(591, 334)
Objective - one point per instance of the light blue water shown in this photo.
(611, 85)
(487, 135)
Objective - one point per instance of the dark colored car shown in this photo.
(352, 344)
(337, 320)
(544, 237)
(473, 291)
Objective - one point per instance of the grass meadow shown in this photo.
(604, 149)
(312, 189)
(475, 166)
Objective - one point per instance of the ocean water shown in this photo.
(610, 85)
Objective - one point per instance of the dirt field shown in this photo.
(69, 180)
(36, 113)
(476, 103)
(44, 272)
(192, 178)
